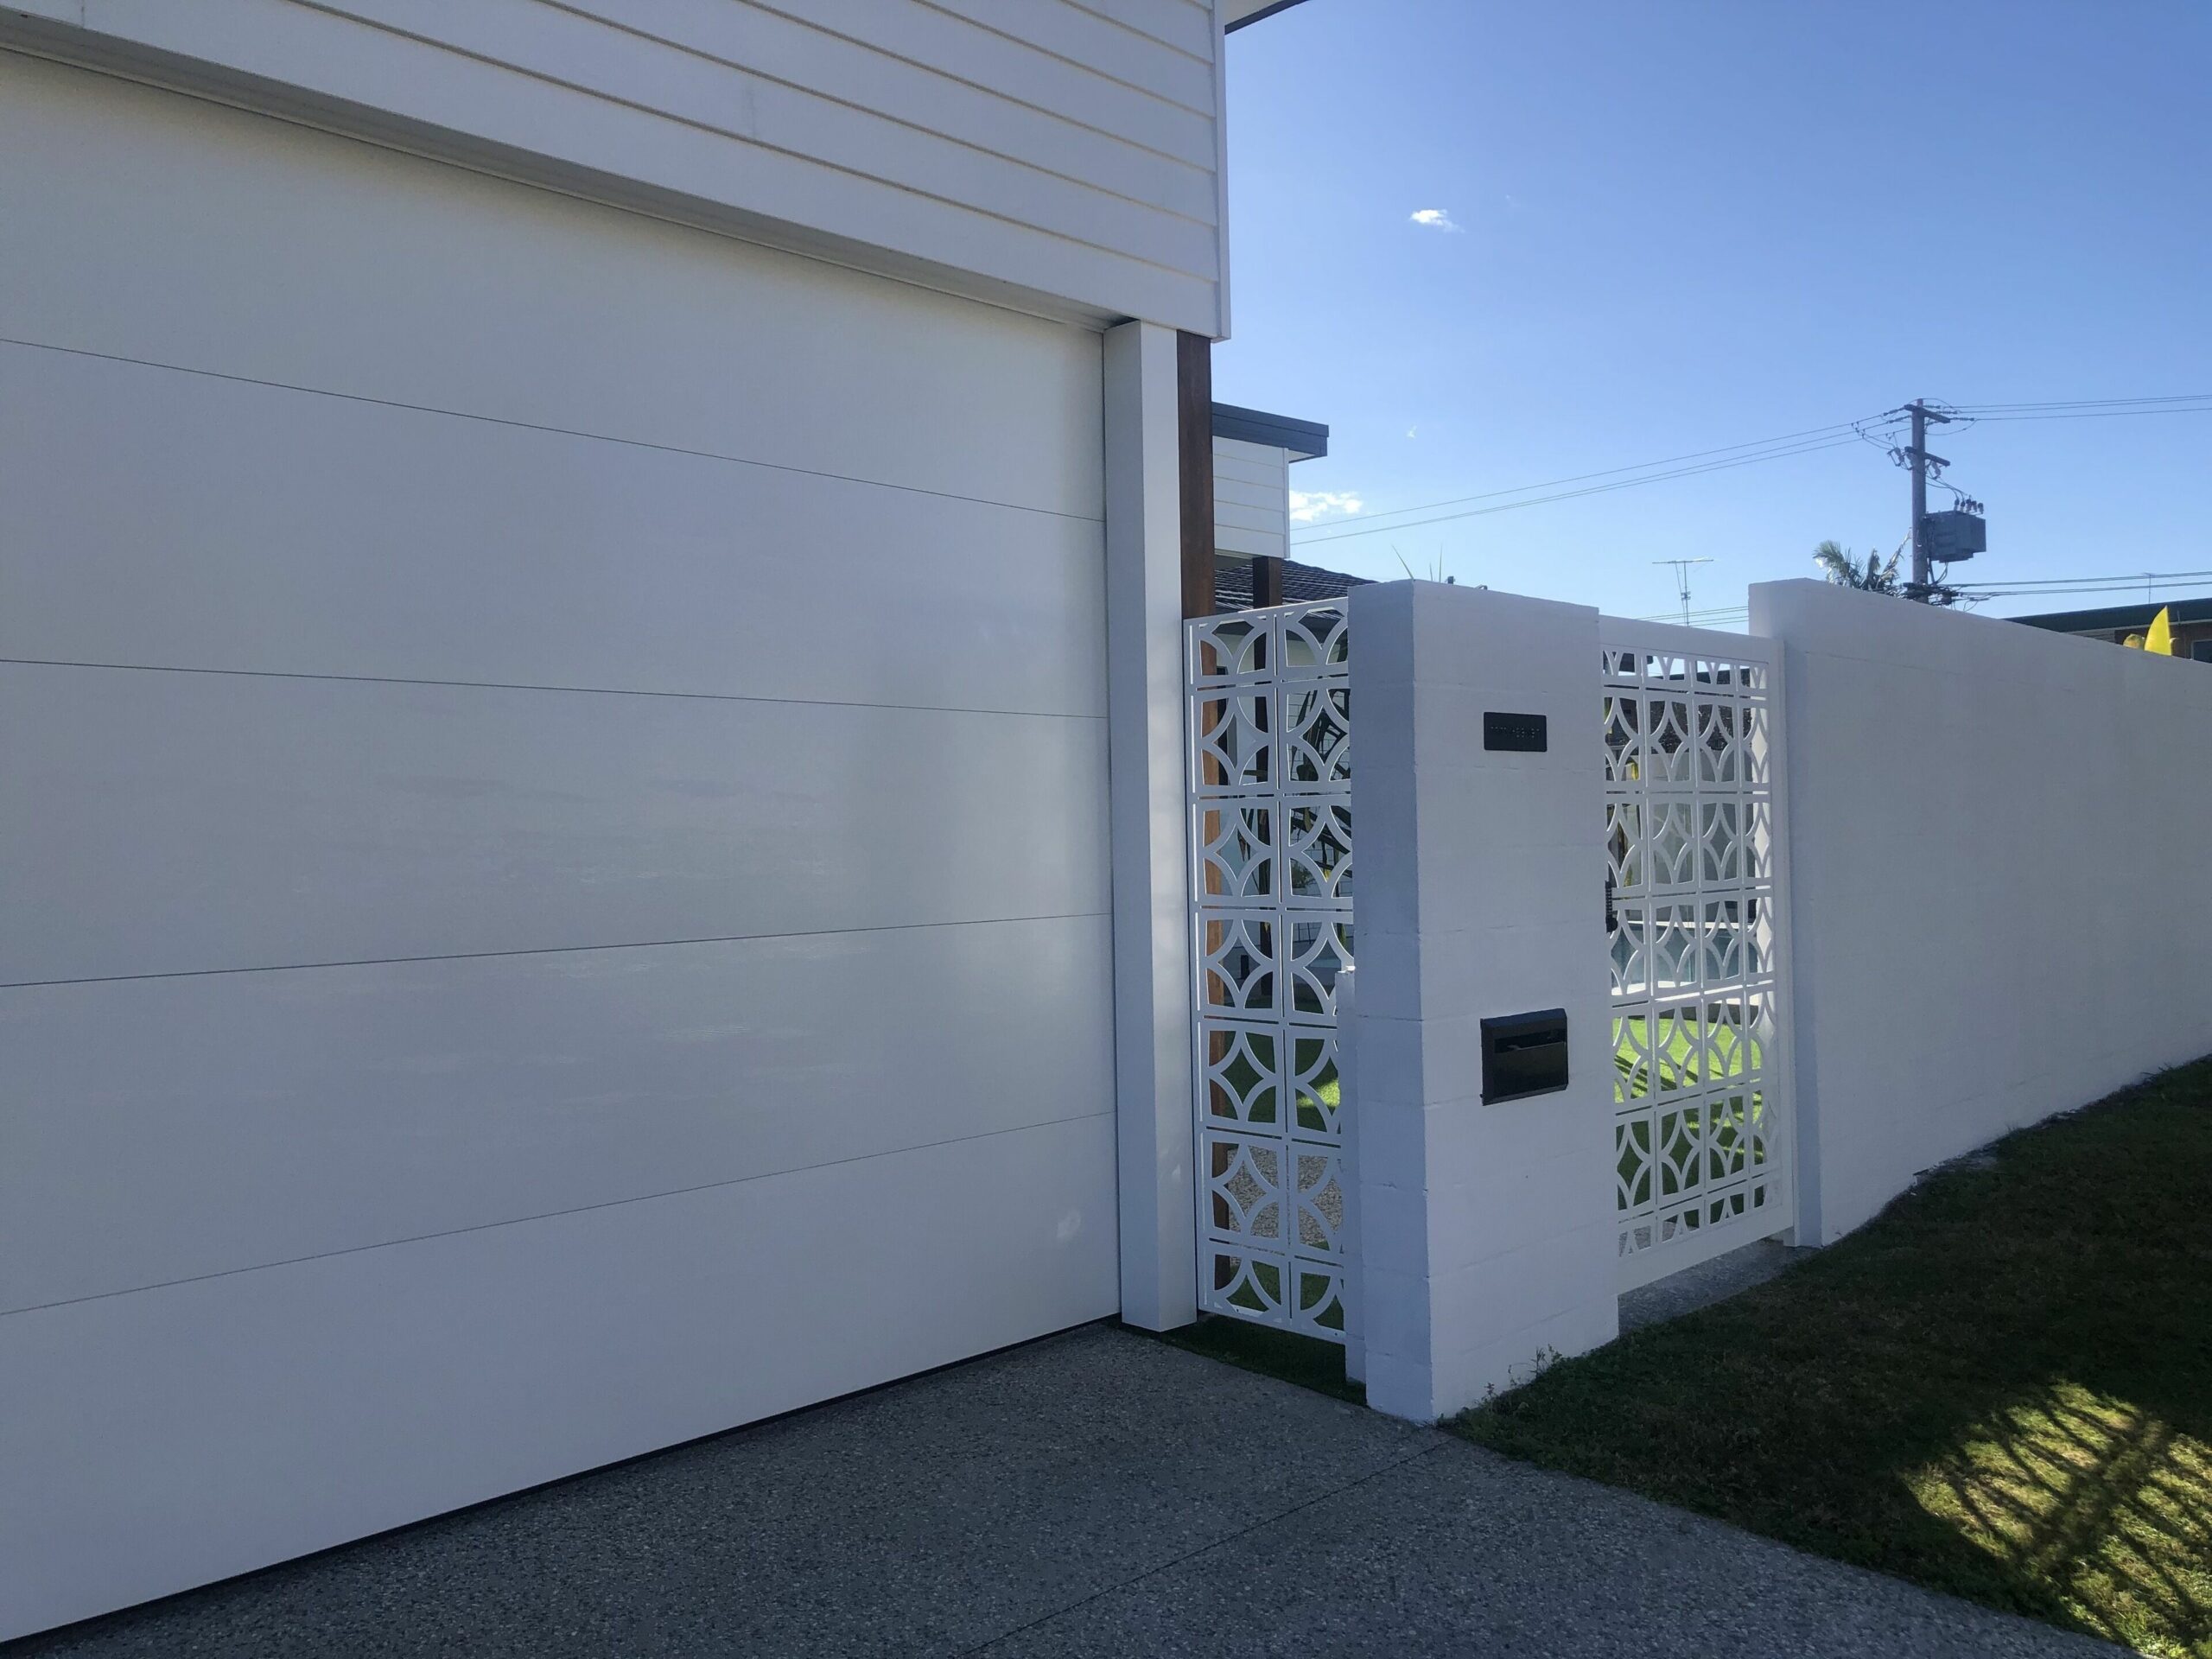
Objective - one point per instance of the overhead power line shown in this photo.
(2054, 588)
(1702, 618)
(1312, 539)
(2062, 584)
(2098, 414)
(2148, 591)
(1610, 472)
(2083, 402)
(1783, 447)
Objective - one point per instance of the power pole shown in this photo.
(1683, 581)
(1918, 459)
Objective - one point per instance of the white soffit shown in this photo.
(1235, 14)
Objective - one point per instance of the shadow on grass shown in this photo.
(2108, 1504)
(2000, 1387)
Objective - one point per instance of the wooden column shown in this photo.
(1266, 581)
(1194, 437)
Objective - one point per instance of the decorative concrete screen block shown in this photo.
(1695, 937)
(1488, 1235)
(1270, 819)
(1997, 845)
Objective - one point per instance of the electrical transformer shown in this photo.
(1954, 534)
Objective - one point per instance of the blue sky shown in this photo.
(1675, 225)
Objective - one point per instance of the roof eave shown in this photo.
(1304, 440)
(1238, 13)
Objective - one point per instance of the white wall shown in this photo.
(1069, 152)
(553, 769)
(1152, 938)
(1998, 843)
(1995, 875)
(1251, 498)
(1488, 1234)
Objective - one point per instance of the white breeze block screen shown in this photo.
(1700, 1087)
(1997, 840)
(1271, 914)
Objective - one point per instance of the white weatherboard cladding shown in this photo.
(1067, 152)
(664, 682)
(1251, 498)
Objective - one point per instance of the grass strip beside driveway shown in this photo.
(2000, 1387)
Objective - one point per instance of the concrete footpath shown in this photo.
(1095, 1493)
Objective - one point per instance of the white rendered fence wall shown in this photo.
(1699, 1074)
(2000, 909)
(1270, 815)
(1488, 1234)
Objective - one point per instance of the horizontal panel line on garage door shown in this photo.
(523, 685)
(550, 950)
(534, 426)
(548, 1215)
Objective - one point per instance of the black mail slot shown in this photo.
(1524, 1054)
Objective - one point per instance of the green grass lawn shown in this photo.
(2001, 1388)
(1677, 1065)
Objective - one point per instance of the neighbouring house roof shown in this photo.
(2121, 616)
(1232, 584)
(1237, 12)
(1305, 440)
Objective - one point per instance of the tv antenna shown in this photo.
(1683, 581)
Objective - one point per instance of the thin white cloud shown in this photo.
(1434, 218)
(1306, 505)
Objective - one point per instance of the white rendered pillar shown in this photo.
(1152, 971)
(1487, 1232)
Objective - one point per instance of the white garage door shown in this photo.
(552, 776)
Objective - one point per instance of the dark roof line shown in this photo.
(2121, 616)
(1232, 584)
(1250, 18)
(1308, 439)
